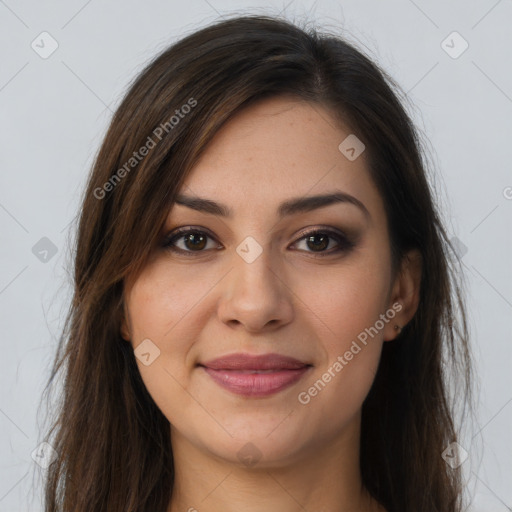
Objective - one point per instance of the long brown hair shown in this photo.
(112, 441)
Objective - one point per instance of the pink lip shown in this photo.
(237, 373)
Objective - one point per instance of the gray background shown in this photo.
(55, 111)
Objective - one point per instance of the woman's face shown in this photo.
(249, 282)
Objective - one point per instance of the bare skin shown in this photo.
(290, 300)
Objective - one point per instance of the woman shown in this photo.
(263, 314)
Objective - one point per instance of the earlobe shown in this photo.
(124, 330)
(405, 296)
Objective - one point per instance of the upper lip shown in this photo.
(255, 362)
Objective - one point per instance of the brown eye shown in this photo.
(319, 240)
(191, 240)
(195, 241)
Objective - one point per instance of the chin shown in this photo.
(263, 441)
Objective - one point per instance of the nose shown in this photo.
(255, 296)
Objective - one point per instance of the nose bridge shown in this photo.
(254, 274)
(253, 265)
(255, 294)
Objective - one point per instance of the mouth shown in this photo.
(255, 376)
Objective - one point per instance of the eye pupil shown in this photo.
(318, 245)
(198, 241)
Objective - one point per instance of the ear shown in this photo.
(405, 294)
(124, 330)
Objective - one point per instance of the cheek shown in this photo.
(334, 397)
(163, 302)
(347, 308)
(346, 305)
(344, 299)
(161, 306)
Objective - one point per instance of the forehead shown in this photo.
(276, 149)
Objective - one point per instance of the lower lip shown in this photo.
(256, 384)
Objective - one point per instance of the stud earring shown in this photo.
(398, 328)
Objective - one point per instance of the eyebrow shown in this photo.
(290, 207)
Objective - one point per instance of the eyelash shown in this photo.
(344, 243)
